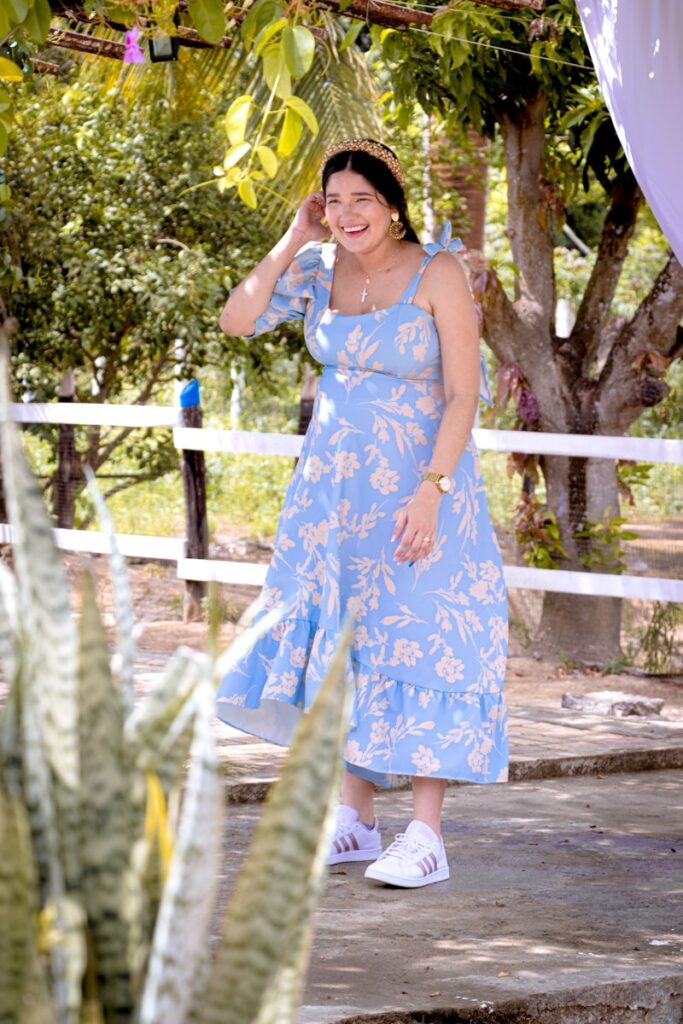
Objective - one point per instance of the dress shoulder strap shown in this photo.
(411, 290)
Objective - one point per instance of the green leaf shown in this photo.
(257, 972)
(18, 903)
(121, 14)
(235, 154)
(183, 922)
(290, 133)
(235, 121)
(9, 71)
(208, 18)
(37, 23)
(298, 43)
(123, 604)
(269, 160)
(276, 72)
(260, 15)
(106, 839)
(19, 8)
(247, 193)
(351, 35)
(267, 33)
(302, 108)
(4, 22)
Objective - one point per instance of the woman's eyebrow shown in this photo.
(335, 195)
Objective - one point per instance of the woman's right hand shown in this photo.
(308, 220)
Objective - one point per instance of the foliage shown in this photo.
(121, 895)
(657, 642)
(537, 533)
(600, 543)
(119, 272)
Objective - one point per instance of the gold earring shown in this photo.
(397, 229)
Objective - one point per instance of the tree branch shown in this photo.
(593, 313)
(532, 247)
(624, 389)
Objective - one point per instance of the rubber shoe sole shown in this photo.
(343, 858)
(376, 873)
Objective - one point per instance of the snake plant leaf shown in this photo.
(123, 604)
(49, 665)
(18, 902)
(182, 927)
(8, 622)
(268, 921)
(159, 733)
(106, 840)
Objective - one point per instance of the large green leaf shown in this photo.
(208, 18)
(298, 43)
(49, 665)
(182, 928)
(106, 839)
(37, 23)
(267, 926)
(18, 902)
(159, 732)
(123, 604)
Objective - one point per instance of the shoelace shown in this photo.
(406, 847)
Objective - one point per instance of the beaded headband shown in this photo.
(370, 147)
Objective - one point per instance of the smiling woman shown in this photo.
(385, 517)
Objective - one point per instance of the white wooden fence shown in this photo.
(289, 445)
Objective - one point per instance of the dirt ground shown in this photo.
(531, 678)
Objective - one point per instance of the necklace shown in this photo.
(364, 293)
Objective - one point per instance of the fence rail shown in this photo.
(289, 445)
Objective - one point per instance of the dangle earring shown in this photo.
(397, 229)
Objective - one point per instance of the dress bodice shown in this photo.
(400, 340)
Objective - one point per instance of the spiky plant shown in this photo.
(105, 905)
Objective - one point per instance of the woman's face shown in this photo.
(359, 217)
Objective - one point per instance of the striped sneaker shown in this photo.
(352, 839)
(416, 857)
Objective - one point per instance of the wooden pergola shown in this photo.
(374, 12)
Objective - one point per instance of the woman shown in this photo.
(385, 513)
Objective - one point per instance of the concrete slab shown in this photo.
(564, 906)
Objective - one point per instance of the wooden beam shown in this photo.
(374, 12)
(85, 43)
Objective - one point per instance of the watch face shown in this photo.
(445, 484)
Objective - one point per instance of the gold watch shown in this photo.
(443, 482)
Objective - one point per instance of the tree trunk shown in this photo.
(68, 473)
(585, 628)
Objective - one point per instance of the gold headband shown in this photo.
(370, 147)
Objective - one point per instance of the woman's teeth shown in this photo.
(353, 231)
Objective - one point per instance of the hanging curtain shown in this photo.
(637, 50)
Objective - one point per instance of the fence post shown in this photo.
(194, 485)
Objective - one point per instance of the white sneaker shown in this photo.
(416, 857)
(352, 839)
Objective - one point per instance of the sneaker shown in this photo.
(352, 839)
(416, 857)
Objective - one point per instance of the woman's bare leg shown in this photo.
(359, 794)
(428, 797)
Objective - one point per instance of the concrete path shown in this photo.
(564, 906)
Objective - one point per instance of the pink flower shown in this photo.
(132, 53)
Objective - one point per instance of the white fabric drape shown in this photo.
(637, 50)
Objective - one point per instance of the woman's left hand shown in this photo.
(416, 524)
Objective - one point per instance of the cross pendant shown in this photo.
(363, 295)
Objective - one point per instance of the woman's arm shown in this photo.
(250, 298)
(456, 323)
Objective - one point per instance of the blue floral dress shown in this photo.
(430, 642)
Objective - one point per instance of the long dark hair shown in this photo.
(379, 176)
